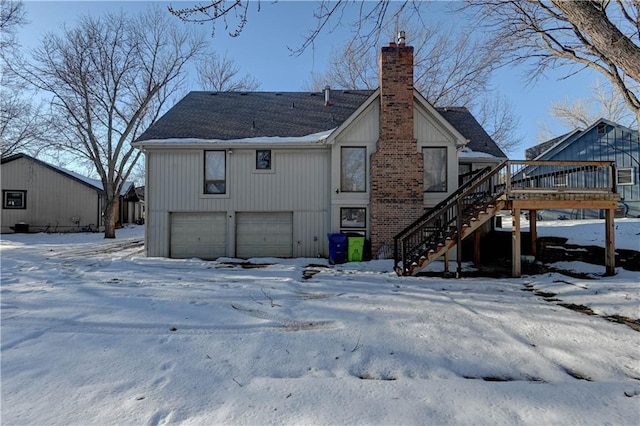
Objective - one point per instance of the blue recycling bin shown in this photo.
(337, 248)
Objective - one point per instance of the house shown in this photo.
(37, 196)
(254, 174)
(604, 140)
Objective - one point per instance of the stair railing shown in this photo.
(445, 220)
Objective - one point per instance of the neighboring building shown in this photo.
(42, 197)
(602, 141)
(271, 174)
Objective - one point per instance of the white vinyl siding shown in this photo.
(202, 235)
(299, 183)
(264, 234)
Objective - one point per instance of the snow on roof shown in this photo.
(469, 153)
(96, 183)
(267, 140)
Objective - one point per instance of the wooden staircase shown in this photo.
(443, 227)
(515, 186)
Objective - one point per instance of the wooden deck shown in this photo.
(539, 185)
(514, 186)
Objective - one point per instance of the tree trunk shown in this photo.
(604, 35)
(111, 216)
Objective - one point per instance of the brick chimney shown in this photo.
(397, 169)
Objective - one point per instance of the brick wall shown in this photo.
(396, 167)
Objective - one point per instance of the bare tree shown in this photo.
(12, 16)
(221, 74)
(451, 69)
(604, 102)
(601, 35)
(373, 19)
(21, 124)
(109, 78)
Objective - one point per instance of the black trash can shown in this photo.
(21, 228)
(337, 248)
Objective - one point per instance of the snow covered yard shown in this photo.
(95, 333)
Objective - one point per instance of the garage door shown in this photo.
(202, 235)
(264, 234)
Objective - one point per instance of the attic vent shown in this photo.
(601, 128)
(312, 94)
(213, 93)
(243, 93)
(278, 94)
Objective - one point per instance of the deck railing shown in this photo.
(560, 176)
(511, 180)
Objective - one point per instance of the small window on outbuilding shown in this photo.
(624, 176)
(601, 128)
(14, 199)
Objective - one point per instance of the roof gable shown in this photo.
(94, 184)
(562, 142)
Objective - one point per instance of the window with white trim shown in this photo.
(560, 179)
(14, 199)
(353, 162)
(215, 172)
(435, 169)
(263, 159)
(624, 176)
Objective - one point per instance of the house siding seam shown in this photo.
(397, 166)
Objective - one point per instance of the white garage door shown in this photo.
(264, 234)
(202, 235)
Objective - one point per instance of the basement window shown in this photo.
(353, 217)
(215, 172)
(624, 176)
(14, 199)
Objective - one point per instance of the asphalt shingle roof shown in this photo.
(465, 123)
(240, 115)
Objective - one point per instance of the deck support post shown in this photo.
(533, 230)
(476, 247)
(446, 262)
(515, 244)
(610, 243)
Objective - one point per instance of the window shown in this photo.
(14, 199)
(263, 159)
(353, 217)
(601, 128)
(624, 176)
(353, 161)
(435, 169)
(215, 173)
(560, 179)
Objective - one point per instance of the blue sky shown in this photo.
(262, 50)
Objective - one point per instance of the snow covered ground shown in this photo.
(93, 332)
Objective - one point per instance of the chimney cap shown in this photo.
(401, 38)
